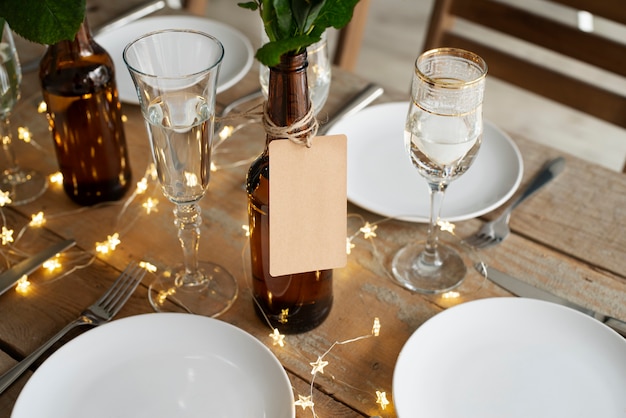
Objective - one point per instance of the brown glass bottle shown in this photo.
(78, 84)
(298, 302)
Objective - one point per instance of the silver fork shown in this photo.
(496, 231)
(103, 310)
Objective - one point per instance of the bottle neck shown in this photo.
(288, 92)
(82, 44)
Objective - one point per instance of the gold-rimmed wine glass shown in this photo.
(442, 136)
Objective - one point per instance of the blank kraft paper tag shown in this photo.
(308, 205)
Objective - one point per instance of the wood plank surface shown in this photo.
(567, 239)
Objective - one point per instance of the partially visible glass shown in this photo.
(318, 73)
(442, 136)
(23, 185)
(175, 74)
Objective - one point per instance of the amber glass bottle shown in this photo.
(298, 302)
(78, 84)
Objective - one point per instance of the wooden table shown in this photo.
(569, 239)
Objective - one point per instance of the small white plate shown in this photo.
(382, 179)
(159, 365)
(513, 358)
(238, 54)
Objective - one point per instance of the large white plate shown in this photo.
(238, 54)
(513, 358)
(159, 365)
(382, 179)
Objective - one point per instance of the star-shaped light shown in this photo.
(22, 284)
(4, 198)
(277, 338)
(318, 366)
(37, 220)
(305, 402)
(349, 245)
(446, 226)
(56, 178)
(142, 186)
(283, 318)
(6, 235)
(149, 267)
(42, 108)
(108, 245)
(150, 205)
(246, 228)
(376, 327)
(368, 230)
(52, 264)
(381, 399)
(24, 134)
(451, 295)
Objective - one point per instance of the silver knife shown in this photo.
(366, 96)
(521, 288)
(9, 277)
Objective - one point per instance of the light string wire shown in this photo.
(149, 180)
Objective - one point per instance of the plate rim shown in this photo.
(424, 219)
(150, 320)
(155, 19)
(508, 302)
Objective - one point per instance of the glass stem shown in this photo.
(7, 146)
(188, 221)
(430, 255)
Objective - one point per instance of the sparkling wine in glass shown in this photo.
(23, 185)
(442, 137)
(175, 75)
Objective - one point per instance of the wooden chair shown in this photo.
(453, 22)
(349, 39)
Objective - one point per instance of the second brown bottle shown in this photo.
(78, 84)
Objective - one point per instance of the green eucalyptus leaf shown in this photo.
(336, 13)
(44, 21)
(284, 17)
(251, 5)
(270, 53)
(305, 12)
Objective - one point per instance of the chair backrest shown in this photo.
(590, 74)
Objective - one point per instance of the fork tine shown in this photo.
(122, 288)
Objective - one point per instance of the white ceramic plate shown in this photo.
(382, 179)
(513, 358)
(159, 365)
(238, 54)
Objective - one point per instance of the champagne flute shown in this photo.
(175, 74)
(442, 135)
(23, 185)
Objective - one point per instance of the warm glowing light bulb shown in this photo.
(318, 366)
(4, 198)
(149, 267)
(226, 132)
(52, 264)
(142, 185)
(24, 134)
(246, 228)
(56, 178)
(349, 245)
(42, 108)
(150, 205)
(381, 399)
(376, 327)
(6, 235)
(37, 220)
(22, 285)
(277, 338)
(305, 402)
(446, 226)
(451, 295)
(368, 230)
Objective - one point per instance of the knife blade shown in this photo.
(521, 288)
(9, 277)
(366, 96)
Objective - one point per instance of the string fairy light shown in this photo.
(56, 178)
(37, 220)
(5, 198)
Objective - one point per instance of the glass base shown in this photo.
(23, 186)
(414, 270)
(211, 296)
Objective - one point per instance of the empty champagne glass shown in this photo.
(175, 75)
(442, 136)
(23, 185)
